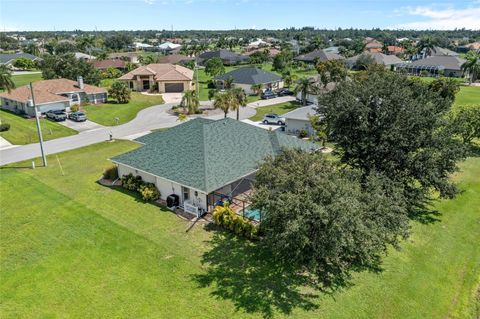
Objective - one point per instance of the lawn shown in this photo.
(468, 95)
(24, 79)
(105, 114)
(24, 131)
(85, 250)
(279, 109)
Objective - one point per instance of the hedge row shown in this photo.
(226, 217)
(148, 191)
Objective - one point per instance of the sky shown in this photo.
(48, 15)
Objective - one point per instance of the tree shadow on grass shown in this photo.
(245, 273)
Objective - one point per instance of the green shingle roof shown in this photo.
(206, 154)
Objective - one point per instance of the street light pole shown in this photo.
(39, 129)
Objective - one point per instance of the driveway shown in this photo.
(172, 98)
(81, 126)
(276, 100)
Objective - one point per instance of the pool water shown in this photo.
(252, 214)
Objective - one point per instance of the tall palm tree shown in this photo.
(304, 86)
(6, 82)
(190, 102)
(240, 100)
(227, 83)
(223, 101)
(472, 65)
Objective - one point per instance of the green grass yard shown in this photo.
(24, 79)
(70, 247)
(279, 109)
(468, 95)
(24, 131)
(105, 114)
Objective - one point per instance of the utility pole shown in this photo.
(39, 129)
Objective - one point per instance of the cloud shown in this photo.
(149, 1)
(447, 18)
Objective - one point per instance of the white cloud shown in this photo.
(448, 18)
(149, 1)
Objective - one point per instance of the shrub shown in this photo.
(424, 73)
(302, 134)
(111, 173)
(131, 182)
(149, 192)
(226, 217)
(120, 92)
(4, 127)
(74, 108)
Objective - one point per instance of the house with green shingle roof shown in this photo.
(200, 157)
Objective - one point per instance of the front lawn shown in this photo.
(23, 79)
(279, 109)
(105, 114)
(468, 95)
(70, 247)
(24, 131)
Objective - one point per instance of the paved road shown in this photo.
(154, 117)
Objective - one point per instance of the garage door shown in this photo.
(173, 87)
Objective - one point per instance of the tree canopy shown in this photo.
(67, 66)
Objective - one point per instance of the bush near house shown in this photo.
(4, 127)
(148, 191)
(226, 217)
(111, 173)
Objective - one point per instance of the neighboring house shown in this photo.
(438, 51)
(388, 61)
(272, 52)
(332, 50)
(139, 45)
(8, 58)
(312, 97)
(111, 63)
(393, 49)
(227, 57)
(200, 158)
(83, 56)
(168, 47)
(248, 76)
(168, 77)
(299, 119)
(174, 59)
(56, 94)
(318, 56)
(131, 57)
(258, 43)
(435, 65)
(373, 46)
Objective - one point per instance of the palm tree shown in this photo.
(223, 101)
(239, 98)
(227, 83)
(257, 88)
(426, 45)
(304, 86)
(190, 102)
(472, 65)
(6, 82)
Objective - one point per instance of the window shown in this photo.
(74, 97)
(146, 84)
(131, 84)
(186, 193)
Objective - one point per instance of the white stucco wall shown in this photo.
(294, 126)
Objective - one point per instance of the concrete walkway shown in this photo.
(4, 144)
(276, 100)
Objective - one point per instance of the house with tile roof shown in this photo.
(55, 94)
(131, 57)
(201, 157)
(109, 63)
(318, 56)
(167, 77)
(246, 77)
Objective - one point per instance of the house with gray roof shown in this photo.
(435, 65)
(388, 61)
(200, 158)
(227, 57)
(299, 119)
(8, 58)
(247, 77)
(318, 56)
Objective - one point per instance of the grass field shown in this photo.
(468, 95)
(105, 114)
(24, 79)
(72, 248)
(24, 131)
(279, 109)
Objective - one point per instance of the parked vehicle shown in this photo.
(77, 116)
(284, 92)
(268, 95)
(273, 119)
(56, 116)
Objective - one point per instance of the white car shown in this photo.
(273, 119)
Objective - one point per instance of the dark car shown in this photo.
(77, 116)
(56, 116)
(284, 92)
(268, 95)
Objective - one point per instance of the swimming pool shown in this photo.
(252, 214)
